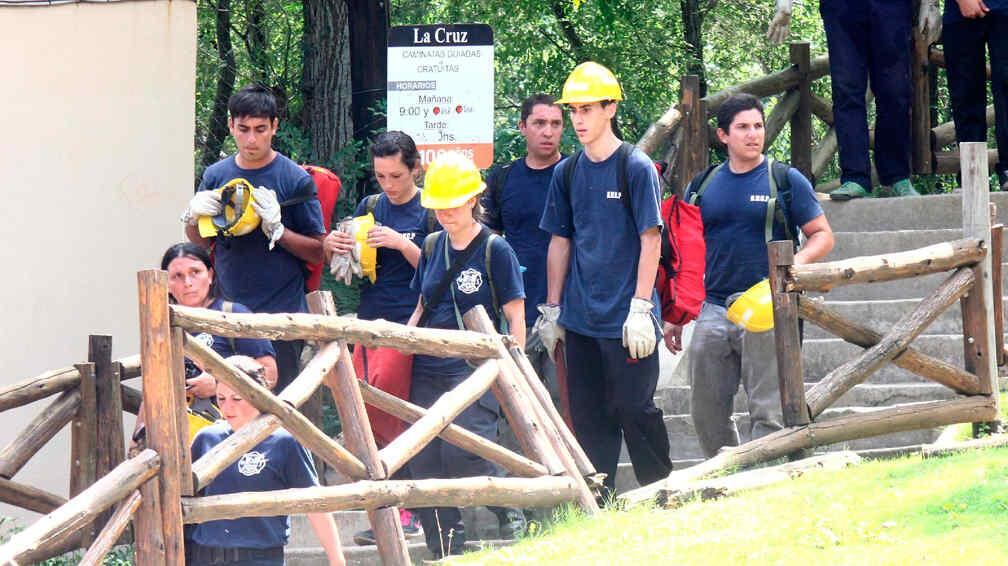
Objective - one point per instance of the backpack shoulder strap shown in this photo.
(370, 203)
(699, 184)
(622, 175)
(568, 171)
(496, 179)
(487, 256)
(428, 244)
(780, 190)
(431, 221)
(228, 306)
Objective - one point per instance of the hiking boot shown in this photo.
(410, 526)
(849, 190)
(904, 188)
(512, 522)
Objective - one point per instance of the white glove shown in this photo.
(639, 334)
(344, 266)
(548, 328)
(929, 21)
(780, 25)
(266, 205)
(203, 203)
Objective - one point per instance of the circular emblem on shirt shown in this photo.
(469, 281)
(205, 339)
(251, 463)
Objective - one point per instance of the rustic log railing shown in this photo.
(972, 282)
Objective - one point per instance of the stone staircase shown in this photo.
(862, 227)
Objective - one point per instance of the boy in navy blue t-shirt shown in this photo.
(601, 265)
(264, 269)
(734, 211)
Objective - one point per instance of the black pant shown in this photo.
(965, 40)
(612, 397)
(870, 40)
(288, 359)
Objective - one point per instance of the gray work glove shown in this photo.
(343, 266)
(639, 335)
(203, 203)
(266, 205)
(547, 327)
(780, 25)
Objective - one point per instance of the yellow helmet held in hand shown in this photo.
(590, 82)
(368, 254)
(451, 180)
(237, 217)
(753, 310)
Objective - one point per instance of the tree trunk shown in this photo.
(693, 35)
(217, 128)
(325, 80)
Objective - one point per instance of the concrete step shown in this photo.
(684, 444)
(881, 315)
(676, 400)
(354, 555)
(820, 356)
(907, 213)
(852, 244)
(347, 522)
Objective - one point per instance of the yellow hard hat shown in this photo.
(590, 82)
(368, 254)
(451, 180)
(237, 218)
(753, 310)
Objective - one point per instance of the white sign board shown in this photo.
(441, 88)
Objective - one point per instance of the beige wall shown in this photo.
(96, 162)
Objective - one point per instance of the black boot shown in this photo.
(512, 522)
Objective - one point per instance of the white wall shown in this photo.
(96, 162)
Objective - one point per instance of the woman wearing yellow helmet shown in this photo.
(461, 267)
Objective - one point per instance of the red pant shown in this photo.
(388, 370)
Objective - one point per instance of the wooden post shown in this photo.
(111, 449)
(694, 152)
(786, 336)
(84, 443)
(164, 402)
(978, 306)
(181, 418)
(920, 102)
(342, 381)
(997, 284)
(801, 121)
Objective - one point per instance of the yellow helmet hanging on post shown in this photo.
(753, 310)
(237, 217)
(590, 82)
(451, 180)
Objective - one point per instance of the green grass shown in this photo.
(906, 511)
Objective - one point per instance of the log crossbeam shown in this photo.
(261, 398)
(855, 371)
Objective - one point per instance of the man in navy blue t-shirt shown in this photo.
(514, 203)
(601, 265)
(264, 269)
(733, 206)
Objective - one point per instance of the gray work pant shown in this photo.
(720, 356)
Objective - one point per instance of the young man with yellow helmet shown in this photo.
(601, 264)
(734, 199)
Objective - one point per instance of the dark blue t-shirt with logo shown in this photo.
(521, 203)
(733, 208)
(278, 462)
(248, 271)
(391, 296)
(470, 288)
(226, 347)
(605, 238)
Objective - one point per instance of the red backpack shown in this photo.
(680, 279)
(327, 186)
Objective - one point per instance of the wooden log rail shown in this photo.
(55, 381)
(39, 432)
(47, 535)
(297, 424)
(460, 492)
(840, 380)
(898, 418)
(369, 333)
(886, 267)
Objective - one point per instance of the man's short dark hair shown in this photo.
(253, 101)
(531, 102)
(737, 103)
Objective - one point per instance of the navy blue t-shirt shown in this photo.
(391, 296)
(952, 12)
(278, 462)
(522, 200)
(250, 273)
(469, 289)
(605, 239)
(733, 208)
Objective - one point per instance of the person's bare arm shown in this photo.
(305, 248)
(557, 265)
(818, 240)
(414, 318)
(269, 364)
(385, 237)
(325, 529)
(514, 312)
(192, 233)
(647, 266)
